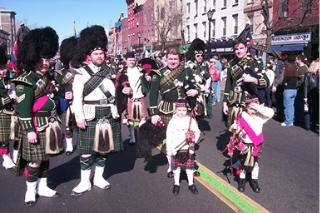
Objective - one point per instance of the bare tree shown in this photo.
(167, 20)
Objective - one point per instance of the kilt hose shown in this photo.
(87, 135)
(35, 151)
(5, 121)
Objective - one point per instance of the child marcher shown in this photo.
(247, 138)
(182, 134)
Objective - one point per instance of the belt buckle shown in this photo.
(103, 102)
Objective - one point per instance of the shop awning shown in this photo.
(288, 47)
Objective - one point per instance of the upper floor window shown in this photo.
(235, 24)
(284, 9)
(204, 26)
(204, 6)
(224, 4)
(224, 26)
(196, 6)
(214, 4)
(195, 30)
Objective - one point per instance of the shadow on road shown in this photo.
(155, 161)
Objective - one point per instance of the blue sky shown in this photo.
(60, 14)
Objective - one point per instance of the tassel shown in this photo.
(139, 112)
(52, 138)
(134, 116)
(59, 137)
(101, 139)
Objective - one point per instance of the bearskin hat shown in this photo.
(3, 56)
(38, 43)
(197, 46)
(68, 50)
(91, 38)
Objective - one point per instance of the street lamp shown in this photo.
(210, 14)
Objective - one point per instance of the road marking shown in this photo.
(236, 200)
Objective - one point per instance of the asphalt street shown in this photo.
(289, 177)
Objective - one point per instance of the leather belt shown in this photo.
(99, 102)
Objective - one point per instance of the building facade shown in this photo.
(255, 17)
(226, 23)
(296, 27)
(7, 26)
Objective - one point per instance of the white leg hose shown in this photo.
(190, 176)
(176, 177)
(255, 173)
(170, 158)
(243, 174)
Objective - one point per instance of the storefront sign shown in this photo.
(291, 38)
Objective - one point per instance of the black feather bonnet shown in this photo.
(38, 43)
(68, 49)
(197, 46)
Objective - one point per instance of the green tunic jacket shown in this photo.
(33, 91)
(235, 69)
(167, 84)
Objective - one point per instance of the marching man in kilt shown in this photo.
(182, 134)
(6, 110)
(36, 108)
(64, 80)
(95, 109)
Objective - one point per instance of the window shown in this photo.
(196, 5)
(307, 5)
(195, 30)
(284, 9)
(188, 8)
(214, 4)
(224, 4)
(224, 26)
(162, 13)
(213, 28)
(204, 26)
(235, 2)
(235, 24)
(204, 6)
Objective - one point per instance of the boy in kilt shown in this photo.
(168, 84)
(132, 86)
(182, 134)
(95, 109)
(64, 80)
(36, 108)
(248, 139)
(6, 111)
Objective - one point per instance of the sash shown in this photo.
(166, 81)
(256, 139)
(95, 80)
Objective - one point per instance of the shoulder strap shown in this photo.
(94, 81)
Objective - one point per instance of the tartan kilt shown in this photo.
(166, 118)
(86, 136)
(130, 111)
(5, 121)
(189, 164)
(35, 152)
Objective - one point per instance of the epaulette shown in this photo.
(23, 79)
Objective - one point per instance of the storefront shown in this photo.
(292, 44)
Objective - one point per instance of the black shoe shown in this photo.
(196, 173)
(193, 189)
(30, 203)
(68, 153)
(241, 185)
(170, 174)
(255, 186)
(176, 189)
